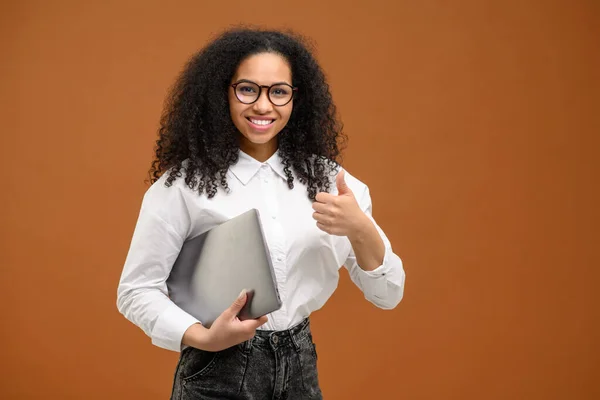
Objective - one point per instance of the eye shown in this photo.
(280, 91)
(246, 89)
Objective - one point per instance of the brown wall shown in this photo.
(475, 123)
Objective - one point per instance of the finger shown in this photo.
(324, 197)
(253, 324)
(327, 212)
(323, 227)
(340, 182)
(237, 305)
(320, 207)
(322, 218)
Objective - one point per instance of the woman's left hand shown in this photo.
(339, 214)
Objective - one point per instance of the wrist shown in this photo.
(362, 229)
(197, 336)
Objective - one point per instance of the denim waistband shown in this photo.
(277, 339)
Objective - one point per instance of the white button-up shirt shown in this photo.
(306, 260)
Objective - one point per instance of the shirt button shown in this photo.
(273, 216)
(279, 259)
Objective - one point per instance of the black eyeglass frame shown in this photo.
(261, 87)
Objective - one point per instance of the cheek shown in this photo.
(232, 105)
(235, 111)
(286, 113)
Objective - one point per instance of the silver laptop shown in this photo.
(213, 268)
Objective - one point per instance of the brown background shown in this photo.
(475, 123)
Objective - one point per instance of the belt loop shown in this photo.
(306, 324)
(298, 333)
(248, 345)
(294, 338)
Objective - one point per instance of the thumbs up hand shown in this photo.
(339, 214)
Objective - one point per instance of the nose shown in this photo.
(263, 105)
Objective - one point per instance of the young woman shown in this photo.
(250, 123)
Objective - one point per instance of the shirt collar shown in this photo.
(246, 166)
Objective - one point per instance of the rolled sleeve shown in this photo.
(170, 326)
(383, 286)
(373, 282)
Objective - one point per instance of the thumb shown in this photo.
(340, 182)
(238, 303)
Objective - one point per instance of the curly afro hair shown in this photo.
(198, 139)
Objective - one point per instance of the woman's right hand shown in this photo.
(226, 331)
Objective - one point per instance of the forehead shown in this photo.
(264, 69)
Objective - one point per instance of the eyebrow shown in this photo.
(275, 83)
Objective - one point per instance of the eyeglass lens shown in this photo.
(248, 92)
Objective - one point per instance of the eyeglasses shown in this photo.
(279, 94)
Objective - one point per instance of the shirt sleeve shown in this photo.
(383, 286)
(142, 294)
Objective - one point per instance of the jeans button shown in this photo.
(275, 339)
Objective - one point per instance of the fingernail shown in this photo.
(242, 294)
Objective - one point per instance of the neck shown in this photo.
(260, 152)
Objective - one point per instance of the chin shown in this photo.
(259, 140)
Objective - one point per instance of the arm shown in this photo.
(142, 295)
(373, 266)
(367, 245)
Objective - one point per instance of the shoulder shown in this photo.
(164, 197)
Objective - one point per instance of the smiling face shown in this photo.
(260, 122)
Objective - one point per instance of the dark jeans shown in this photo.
(273, 365)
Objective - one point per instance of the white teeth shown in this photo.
(261, 121)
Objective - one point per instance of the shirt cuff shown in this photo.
(374, 282)
(170, 326)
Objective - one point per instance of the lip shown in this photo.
(260, 128)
